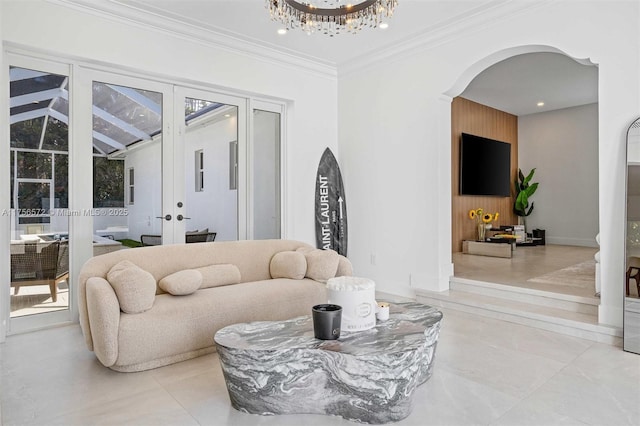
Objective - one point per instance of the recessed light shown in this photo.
(282, 31)
(540, 104)
(383, 25)
(227, 115)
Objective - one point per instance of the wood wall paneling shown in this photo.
(480, 120)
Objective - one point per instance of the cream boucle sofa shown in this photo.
(178, 328)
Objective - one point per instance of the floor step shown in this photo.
(585, 305)
(503, 307)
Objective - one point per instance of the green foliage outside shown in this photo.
(108, 182)
(130, 243)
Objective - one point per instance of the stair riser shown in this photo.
(533, 299)
(523, 320)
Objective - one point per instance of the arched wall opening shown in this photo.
(585, 247)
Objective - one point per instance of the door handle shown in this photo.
(167, 217)
(180, 217)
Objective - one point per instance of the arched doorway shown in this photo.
(556, 178)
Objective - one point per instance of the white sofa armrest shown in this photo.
(104, 319)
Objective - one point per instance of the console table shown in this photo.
(494, 249)
(278, 367)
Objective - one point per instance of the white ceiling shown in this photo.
(249, 20)
(517, 84)
(514, 85)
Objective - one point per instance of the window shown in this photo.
(199, 170)
(131, 186)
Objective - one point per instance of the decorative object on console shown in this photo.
(326, 321)
(358, 300)
(331, 17)
(483, 220)
(382, 313)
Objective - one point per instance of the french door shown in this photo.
(210, 167)
(179, 156)
(101, 161)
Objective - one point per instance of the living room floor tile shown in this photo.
(154, 408)
(486, 372)
(514, 336)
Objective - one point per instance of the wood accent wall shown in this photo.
(480, 120)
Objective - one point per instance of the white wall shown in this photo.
(216, 207)
(563, 147)
(395, 136)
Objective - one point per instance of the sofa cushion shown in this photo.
(288, 264)
(134, 287)
(345, 269)
(220, 274)
(182, 282)
(178, 326)
(321, 264)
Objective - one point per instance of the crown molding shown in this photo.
(209, 36)
(483, 16)
(477, 19)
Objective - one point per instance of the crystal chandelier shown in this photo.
(331, 16)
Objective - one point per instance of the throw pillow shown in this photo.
(135, 288)
(345, 268)
(217, 275)
(181, 283)
(321, 264)
(288, 264)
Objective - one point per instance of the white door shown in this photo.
(210, 166)
(133, 162)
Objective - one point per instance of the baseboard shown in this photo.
(566, 241)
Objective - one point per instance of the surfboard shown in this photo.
(330, 206)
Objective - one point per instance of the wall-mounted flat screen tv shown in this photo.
(485, 166)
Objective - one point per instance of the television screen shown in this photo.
(485, 166)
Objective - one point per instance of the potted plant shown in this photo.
(524, 191)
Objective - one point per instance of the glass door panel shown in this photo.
(266, 174)
(209, 145)
(127, 167)
(38, 143)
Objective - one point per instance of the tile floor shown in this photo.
(37, 299)
(526, 263)
(487, 372)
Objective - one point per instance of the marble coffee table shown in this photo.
(279, 367)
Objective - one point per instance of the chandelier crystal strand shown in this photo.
(333, 17)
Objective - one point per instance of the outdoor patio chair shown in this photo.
(151, 240)
(200, 238)
(39, 263)
(190, 237)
